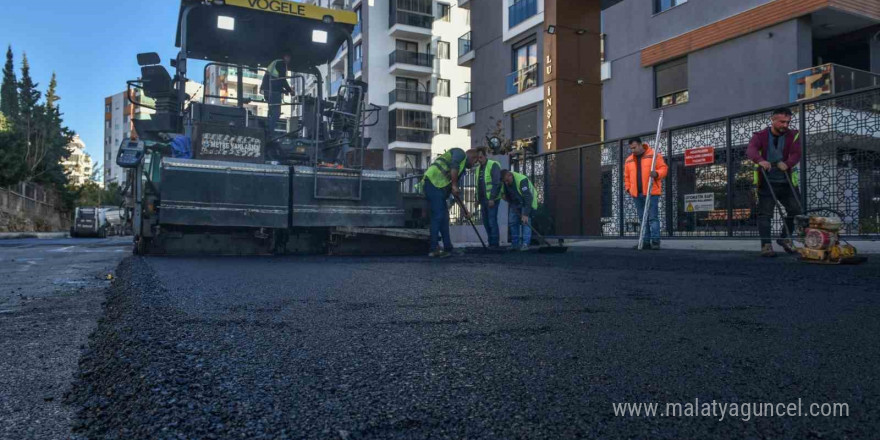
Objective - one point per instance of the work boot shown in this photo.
(655, 245)
(646, 246)
(767, 251)
(524, 248)
(785, 243)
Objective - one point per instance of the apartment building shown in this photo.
(78, 165)
(407, 52)
(221, 84)
(118, 125)
(702, 59)
(535, 69)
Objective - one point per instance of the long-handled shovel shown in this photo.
(643, 228)
(548, 248)
(470, 220)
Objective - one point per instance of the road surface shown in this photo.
(484, 347)
(50, 301)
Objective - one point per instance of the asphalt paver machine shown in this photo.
(207, 174)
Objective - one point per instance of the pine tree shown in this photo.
(51, 94)
(9, 89)
(12, 144)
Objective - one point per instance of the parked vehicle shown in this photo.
(89, 222)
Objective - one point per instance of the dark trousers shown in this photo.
(439, 215)
(766, 207)
(490, 222)
(274, 100)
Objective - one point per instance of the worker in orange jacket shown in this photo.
(636, 173)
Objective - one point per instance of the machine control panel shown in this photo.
(130, 153)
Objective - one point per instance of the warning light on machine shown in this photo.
(225, 23)
(319, 36)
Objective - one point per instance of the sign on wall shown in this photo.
(699, 156)
(702, 202)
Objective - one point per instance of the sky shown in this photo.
(91, 45)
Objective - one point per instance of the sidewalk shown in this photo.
(45, 235)
(862, 246)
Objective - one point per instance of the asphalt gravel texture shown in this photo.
(479, 346)
(50, 300)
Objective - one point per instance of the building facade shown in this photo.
(221, 84)
(535, 73)
(407, 51)
(699, 60)
(118, 125)
(78, 165)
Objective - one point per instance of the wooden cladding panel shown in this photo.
(755, 19)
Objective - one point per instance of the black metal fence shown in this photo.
(413, 185)
(580, 190)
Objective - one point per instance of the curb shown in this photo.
(39, 235)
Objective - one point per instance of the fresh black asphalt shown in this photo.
(477, 346)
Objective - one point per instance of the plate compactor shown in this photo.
(817, 238)
(821, 241)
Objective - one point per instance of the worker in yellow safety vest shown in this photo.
(441, 180)
(488, 178)
(523, 199)
(272, 87)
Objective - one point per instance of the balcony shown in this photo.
(465, 50)
(407, 96)
(402, 62)
(255, 97)
(335, 85)
(340, 56)
(521, 11)
(404, 137)
(410, 25)
(356, 33)
(522, 80)
(523, 88)
(466, 117)
(828, 79)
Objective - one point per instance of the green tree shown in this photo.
(12, 144)
(51, 94)
(9, 89)
(12, 168)
(45, 136)
(91, 194)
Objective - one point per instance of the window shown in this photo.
(421, 6)
(525, 55)
(662, 5)
(408, 162)
(524, 124)
(407, 83)
(519, 11)
(443, 124)
(671, 83)
(409, 46)
(443, 50)
(413, 119)
(106, 108)
(443, 87)
(524, 65)
(443, 12)
(358, 51)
